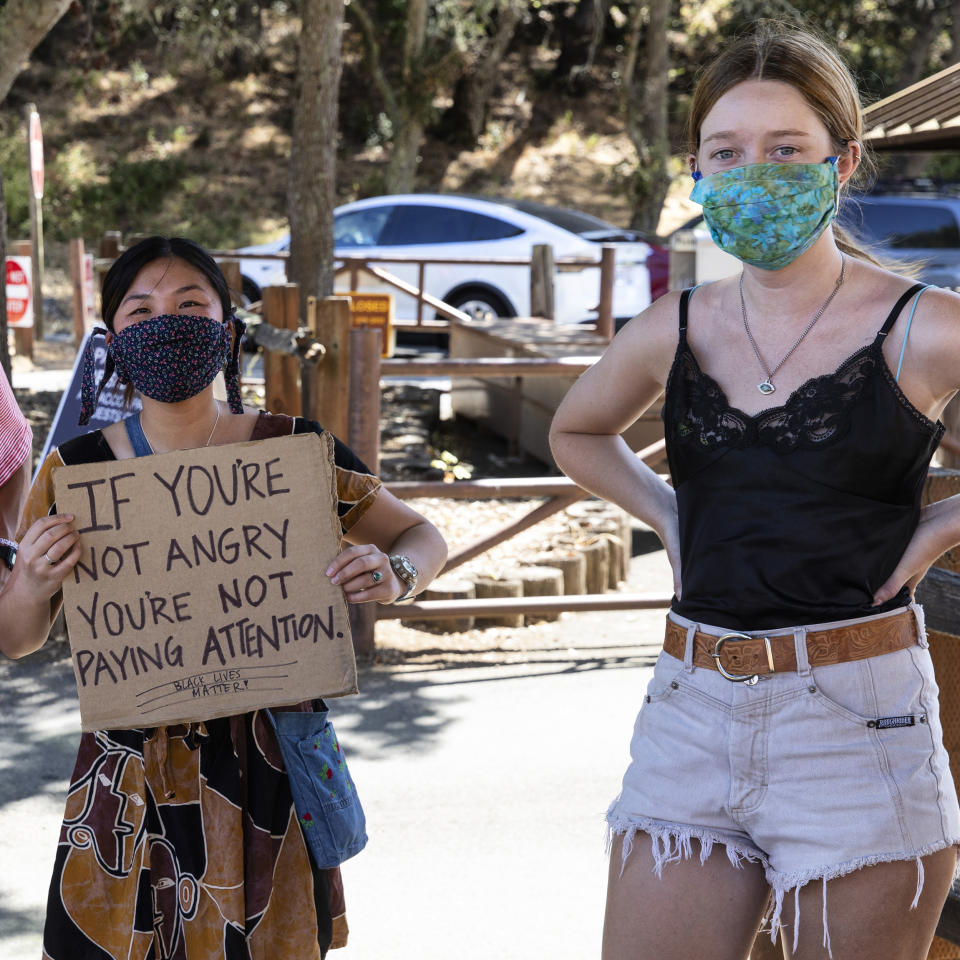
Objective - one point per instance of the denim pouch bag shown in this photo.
(324, 797)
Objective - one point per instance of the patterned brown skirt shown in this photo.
(181, 843)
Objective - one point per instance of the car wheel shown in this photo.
(480, 304)
(251, 292)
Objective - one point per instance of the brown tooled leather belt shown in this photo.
(742, 658)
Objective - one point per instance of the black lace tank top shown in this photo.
(798, 514)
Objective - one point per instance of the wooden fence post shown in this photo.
(231, 273)
(330, 383)
(363, 437)
(608, 269)
(363, 432)
(542, 302)
(281, 372)
(110, 244)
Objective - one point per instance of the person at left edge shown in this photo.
(182, 841)
(15, 445)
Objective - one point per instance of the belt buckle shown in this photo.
(747, 678)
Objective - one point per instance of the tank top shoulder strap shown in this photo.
(684, 306)
(898, 307)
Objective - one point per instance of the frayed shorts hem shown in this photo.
(672, 843)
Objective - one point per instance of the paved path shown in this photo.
(484, 787)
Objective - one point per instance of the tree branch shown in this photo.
(23, 24)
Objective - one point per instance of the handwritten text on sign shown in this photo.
(200, 590)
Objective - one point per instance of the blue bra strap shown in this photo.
(906, 333)
(138, 439)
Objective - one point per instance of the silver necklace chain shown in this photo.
(207, 444)
(767, 387)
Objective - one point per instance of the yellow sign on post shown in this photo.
(374, 310)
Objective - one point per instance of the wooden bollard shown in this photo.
(541, 582)
(487, 586)
(594, 552)
(571, 564)
(449, 588)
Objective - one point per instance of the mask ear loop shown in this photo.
(833, 162)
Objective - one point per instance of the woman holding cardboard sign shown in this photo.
(186, 837)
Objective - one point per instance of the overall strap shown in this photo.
(138, 439)
(897, 307)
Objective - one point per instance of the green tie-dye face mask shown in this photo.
(767, 214)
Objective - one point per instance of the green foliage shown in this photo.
(16, 178)
(127, 198)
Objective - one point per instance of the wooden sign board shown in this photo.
(201, 590)
(374, 310)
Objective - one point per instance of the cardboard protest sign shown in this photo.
(200, 591)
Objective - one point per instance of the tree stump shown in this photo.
(596, 564)
(541, 582)
(449, 588)
(616, 568)
(571, 563)
(598, 516)
(487, 586)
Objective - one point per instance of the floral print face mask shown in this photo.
(767, 214)
(168, 358)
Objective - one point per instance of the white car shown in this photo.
(457, 227)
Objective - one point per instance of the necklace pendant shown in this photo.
(766, 387)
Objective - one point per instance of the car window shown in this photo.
(422, 223)
(360, 228)
(572, 220)
(904, 225)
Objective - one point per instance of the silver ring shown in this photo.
(377, 576)
(52, 563)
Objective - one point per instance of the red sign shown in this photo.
(36, 155)
(19, 299)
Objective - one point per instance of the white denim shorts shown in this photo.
(813, 774)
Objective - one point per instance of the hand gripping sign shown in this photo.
(200, 591)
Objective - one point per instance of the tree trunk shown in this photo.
(955, 30)
(414, 102)
(23, 24)
(401, 171)
(311, 193)
(467, 118)
(645, 110)
(927, 29)
(580, 36)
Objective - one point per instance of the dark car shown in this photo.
(913, 227)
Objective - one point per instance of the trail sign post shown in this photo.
(35, 151)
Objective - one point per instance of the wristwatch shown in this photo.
(8, 552)
(403, 567)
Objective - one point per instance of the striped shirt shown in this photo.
(16, 436)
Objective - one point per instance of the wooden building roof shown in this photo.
(924, 116)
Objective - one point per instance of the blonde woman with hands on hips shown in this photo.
(789, 741)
